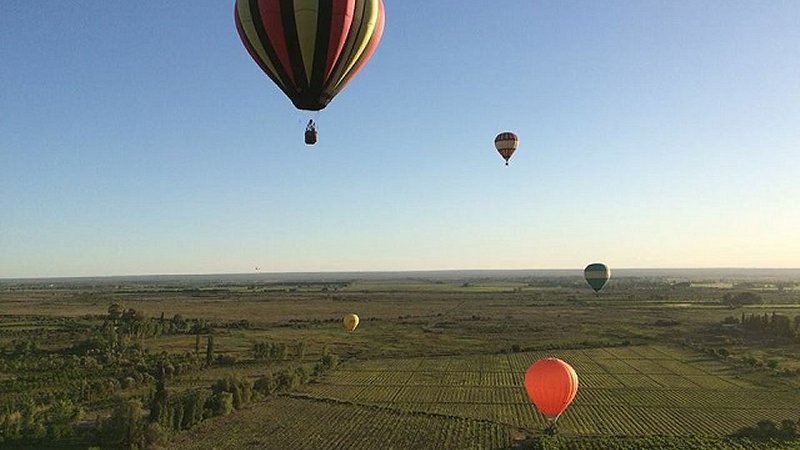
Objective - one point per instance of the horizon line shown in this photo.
(403, 271)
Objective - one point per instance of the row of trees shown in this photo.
(767, 325)
(47, 387)
(736, 300)
(775, 325)
(767, 429)
(275, 351)
(185, 410)
(130, 427)
(36, 423)
(269, 351)
(134, 322)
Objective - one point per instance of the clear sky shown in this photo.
(138, 137)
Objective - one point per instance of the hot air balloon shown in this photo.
(597, 275)
(505, 143)
(310, 49)
(350, 322)
(551, 385)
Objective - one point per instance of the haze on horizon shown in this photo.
(141, 139)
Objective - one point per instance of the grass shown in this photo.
(640, 390)
(431, 366)
(302, 423)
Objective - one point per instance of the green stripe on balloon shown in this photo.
(597, 275)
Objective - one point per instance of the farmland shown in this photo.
(300, 423)
(436, 362)
(632, 391)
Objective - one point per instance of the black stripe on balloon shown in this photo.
(355, 59)
(324, 17)
(293, 48)
(370, 41)
(262, 64)
(349, 44)
(263, 38)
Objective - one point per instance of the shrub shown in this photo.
(265, 385)
(221, 404)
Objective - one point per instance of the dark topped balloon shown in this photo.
(597, 275)
(310, 49)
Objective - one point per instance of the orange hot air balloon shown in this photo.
(551, 384)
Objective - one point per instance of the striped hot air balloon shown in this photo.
(506, 143)
(311, 49)
(597, 275)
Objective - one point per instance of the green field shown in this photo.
(298, 423)
(634, 391)
(433, 364)
(478, 402)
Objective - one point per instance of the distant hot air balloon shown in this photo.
(597, 275)
(310, 49)
(551, 385)
(505, 143)
(350, 322)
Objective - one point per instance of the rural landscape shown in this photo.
(665, 359)
(400, 225)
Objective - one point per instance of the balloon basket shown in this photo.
(311, 137)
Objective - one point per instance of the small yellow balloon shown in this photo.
(350, 322)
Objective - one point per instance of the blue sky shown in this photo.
(140, 138)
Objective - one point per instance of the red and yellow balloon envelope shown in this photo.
(310, 49)
(506, 143)
(551, 384)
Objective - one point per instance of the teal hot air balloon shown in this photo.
(597, 275)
